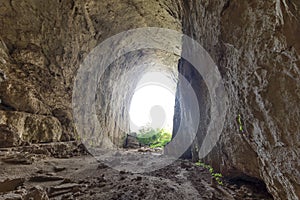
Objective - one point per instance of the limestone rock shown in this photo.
(36, 192)
(131, 142)
(32, 128)
(45, 178)
(22, 98)
(10, 184)
(9, 136)
(18, 158)
(254, 43)
(257, 52)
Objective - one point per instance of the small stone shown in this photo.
(65, 186)
(102, 166)
(249, 194)
(37, 192)
(77, 194)
(51, 174)
(63, 189)
(67, 180)
(11, 184)
(18, 158)
(58, 169)
(115, 162)
(45, 178)
(11, 196)
(118, 154)
(40, 171)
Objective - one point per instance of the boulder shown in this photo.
(9, 136)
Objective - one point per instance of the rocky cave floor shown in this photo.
(40, 172)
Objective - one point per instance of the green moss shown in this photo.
(216, 176)
(239, 119)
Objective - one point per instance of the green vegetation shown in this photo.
(154, 137)
(216, 176)
(240, 123)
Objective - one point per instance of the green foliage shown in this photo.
(216, 176)
(239, 118)
(154, 138)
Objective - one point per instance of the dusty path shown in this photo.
(84, 177)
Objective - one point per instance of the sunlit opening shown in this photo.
(152, 105)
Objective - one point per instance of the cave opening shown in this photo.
(70, 73)
(152, 108)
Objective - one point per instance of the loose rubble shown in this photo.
(84, 177)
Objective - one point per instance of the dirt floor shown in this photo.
(39, 172)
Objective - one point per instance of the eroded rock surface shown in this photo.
(254, 43)
(40, 55)
(257, 51)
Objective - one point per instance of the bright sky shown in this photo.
(153, 102)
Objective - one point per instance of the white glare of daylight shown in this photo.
(153, 103)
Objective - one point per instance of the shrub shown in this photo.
(154, 138)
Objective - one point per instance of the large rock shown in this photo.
(36, 192)
(131, 141)
(18, 96)
(30, 127)
(9, 136)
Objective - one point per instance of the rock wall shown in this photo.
(255, 45)
(42, 44)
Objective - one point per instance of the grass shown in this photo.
(154, 137)
(239, 118)
(216, 176)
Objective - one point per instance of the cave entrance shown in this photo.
(152, 109)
